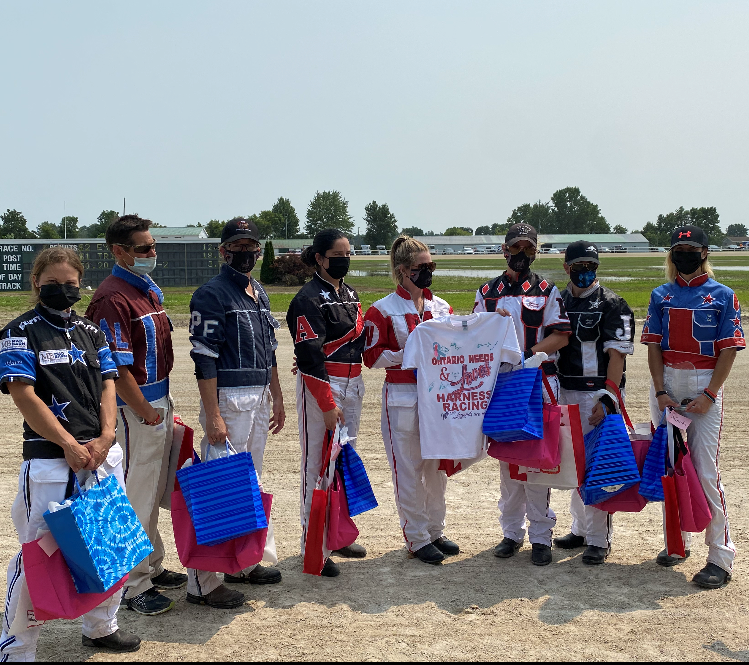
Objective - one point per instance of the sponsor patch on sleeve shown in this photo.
(54, 357)
(13, 344)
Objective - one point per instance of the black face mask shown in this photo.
(520, 262)
(422, 278)
(242, 262)
(59, 296)
(338, 266)
(686, 262)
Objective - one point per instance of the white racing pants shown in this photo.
(703, 440)
(418, 484)
(146, 467)
(348, 394)
(42, 481)
(518, 499)
(246, 412)
(596, 526)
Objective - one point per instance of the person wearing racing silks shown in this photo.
(591, 367)
(326, 323)
(542, 327)
(693, 331)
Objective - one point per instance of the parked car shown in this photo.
(714, 248)
(604, 250)
(733, 248)
(381, 249)
(619, 249)
(449, 250)
(467, 250)
(434, 250)
(365, 250)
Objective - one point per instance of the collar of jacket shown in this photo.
(235, 276)
(327, 283)
(403, 292)
(695, 281)
(55, 320)
(141, 282)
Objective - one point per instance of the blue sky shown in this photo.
(452, 113)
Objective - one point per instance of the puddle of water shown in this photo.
(743, 268)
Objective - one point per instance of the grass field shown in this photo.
(632, 277)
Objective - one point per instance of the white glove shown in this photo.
(536, 359)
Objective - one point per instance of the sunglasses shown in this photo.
(431, 267)
(243, 248)
(514, 249)
(584, 267)
(139, 249)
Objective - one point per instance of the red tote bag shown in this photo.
(51, 587)
(694, 510)
(229, 557)
(674, 541)
(342, 531)
(314, 555)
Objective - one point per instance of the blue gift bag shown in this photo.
(515, 412)
(99, 535)
(654, 468)
(359, 492)
(223, 497)
(610, 463)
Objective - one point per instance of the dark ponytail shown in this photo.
(322, 243)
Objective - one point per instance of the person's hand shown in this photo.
(277, 418)
(153, 417)
(98, 449)
(598, 413)
(700, 405)
(502, 312)
(332, 417)
(664, 401)
(294, 368)
(77, 456)
(215, 429)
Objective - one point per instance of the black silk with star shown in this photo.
(71, 387)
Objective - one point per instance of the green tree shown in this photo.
(68, 227)
(270, 224)
(619, 229)
(99, 228)
(14, 225)
(412, 231)
(650, 231)
(214, 228)
(483, 230)
(267, 272)
(736, 230)
(290, 219)
(659, 233)
(538, 215)
(48, 230)
(429, 233)
(382, 226)
(457, 231)
(328, 210)
(573, 213)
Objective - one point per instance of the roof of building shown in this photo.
(549, 238)
(178, 232)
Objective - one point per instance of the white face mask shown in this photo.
(143, 266)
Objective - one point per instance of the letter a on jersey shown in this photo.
(304, 332)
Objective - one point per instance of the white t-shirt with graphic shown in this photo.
(457, 358)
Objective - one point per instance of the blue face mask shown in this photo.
(582, 279)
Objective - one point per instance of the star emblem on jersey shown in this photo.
(58, 409)
(667, 298)
(543, 285)
(708, 299)
(76, 355)
(736, 322)
(325, 294)
(595, 304)
(526, 285)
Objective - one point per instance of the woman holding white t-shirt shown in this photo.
(419, 484)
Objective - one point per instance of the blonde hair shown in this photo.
(672, 272)
(402, 253)
(49, 257)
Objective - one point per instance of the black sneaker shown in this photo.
(169, 581)
(118, 642)
(353, 551)
(712, 577)
(593, 556)
(507, 548)
(540, 554)
(150, 603)
(663, 559)
(259, 575)
(569, 542)
(330, 569)
(429, 554)
(222, 598)
(447, 547)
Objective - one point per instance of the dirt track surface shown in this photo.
(475, 607)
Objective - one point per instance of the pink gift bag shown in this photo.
(51, 587)
(229, 557)
(694, 510)
(342, 531)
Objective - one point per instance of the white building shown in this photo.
(630, 242)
